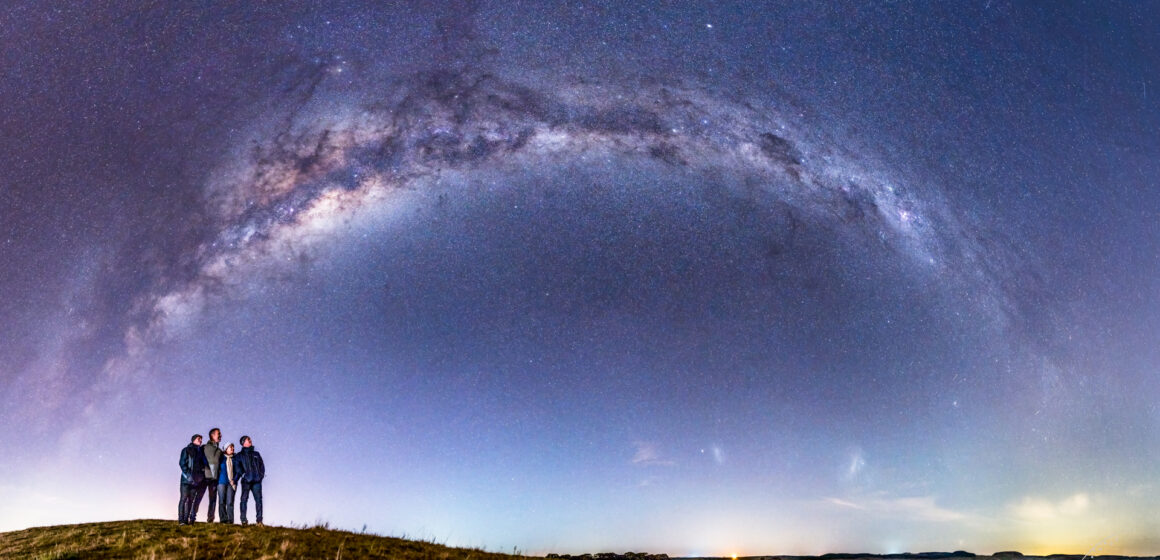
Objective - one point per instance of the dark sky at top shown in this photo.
(698, 279)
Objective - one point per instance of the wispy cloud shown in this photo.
(917, 508)
(1032, 508)
(649, 455)
(844, 503)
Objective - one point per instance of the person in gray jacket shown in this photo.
(213, 458)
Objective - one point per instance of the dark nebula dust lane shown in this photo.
(702, 280)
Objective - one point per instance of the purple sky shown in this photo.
(571, 277)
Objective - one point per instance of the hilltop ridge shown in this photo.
(161, 539)
(164, 539)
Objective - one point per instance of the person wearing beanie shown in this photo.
(251, 472)
(190, 462)
(227, 485)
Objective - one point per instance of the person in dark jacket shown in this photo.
(251, 471)
(191, 479)
(213, 456)
(227, 485)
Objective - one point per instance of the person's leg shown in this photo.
(211, 504)
(231, 492)
(245, 498)
(181, 504)
(257, 488)
(198, 492)
(221, 502)
(188, 495)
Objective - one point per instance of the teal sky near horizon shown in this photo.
(571, 277)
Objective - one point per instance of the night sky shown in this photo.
(740, 278)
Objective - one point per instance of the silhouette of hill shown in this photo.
(154, 538)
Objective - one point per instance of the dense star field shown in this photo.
(741, 278)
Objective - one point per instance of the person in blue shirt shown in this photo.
(227, 485)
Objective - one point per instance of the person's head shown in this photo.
(246, 441)
(215, 435)
(196, 439)
(230, 449)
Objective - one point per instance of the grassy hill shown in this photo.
(156, 539)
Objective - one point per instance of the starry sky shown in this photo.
(695, 278)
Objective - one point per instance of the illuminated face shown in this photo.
(197, 440)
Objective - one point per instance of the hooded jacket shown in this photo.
(213, 457)
(250, 466)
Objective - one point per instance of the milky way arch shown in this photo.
(326, 152)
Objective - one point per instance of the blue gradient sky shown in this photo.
(702, 280)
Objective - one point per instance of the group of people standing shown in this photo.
(219, 472)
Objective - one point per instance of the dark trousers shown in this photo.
(226, 503)
(210, 485)
(186, 504)
(256, 488)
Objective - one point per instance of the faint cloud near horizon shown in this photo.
(844, 503)
(918, 508)
(1038, 509)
